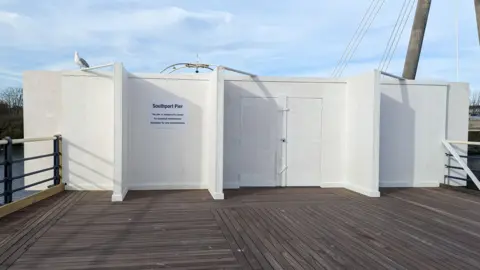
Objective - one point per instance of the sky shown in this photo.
(277, 38)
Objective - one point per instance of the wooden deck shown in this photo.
(292, 228)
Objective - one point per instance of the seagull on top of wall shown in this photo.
(80, 61)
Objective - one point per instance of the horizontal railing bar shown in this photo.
(455, 177)
(453, 167)
(31, 185)
(32, 173)
(463, 156)
(31, 158)
(464, 142)
(2, 142)
(39, 139)
(459, 168)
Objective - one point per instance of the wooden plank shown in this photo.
(24, 219)
(20, 204)
(272, 255)
(246, 246)
(255, 229)
(326, 248)
(277, 240)
(292, 242)
(236, 250)
(9, 253)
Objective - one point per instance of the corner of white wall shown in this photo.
(362, 148)
(119, 189)
(457, 125)
(213, 136)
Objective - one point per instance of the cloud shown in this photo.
(263, 37)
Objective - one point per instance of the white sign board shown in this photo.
(168, 114)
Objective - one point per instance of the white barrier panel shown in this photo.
(415, 117)
(363, 133)
(213, 131)
(284, 132)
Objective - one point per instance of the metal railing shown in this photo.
(471, 174)
(466, 179)
(9, 161)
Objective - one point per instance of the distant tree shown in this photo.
(11, 113)
(13, 97)
(475, 103)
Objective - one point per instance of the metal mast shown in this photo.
(477, 12)
(416, 39)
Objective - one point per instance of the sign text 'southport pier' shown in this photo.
(168, 114)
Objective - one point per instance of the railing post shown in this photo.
(56, 160)
(7, 173)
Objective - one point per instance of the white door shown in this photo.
(303, 151)
(259, 143)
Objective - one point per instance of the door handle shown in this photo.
(283, 140)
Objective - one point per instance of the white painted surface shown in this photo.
(42, 111)
(413, 117)
(362, 134)
(79, 106)
(126, 93)
(87, 124)
(259, 142)
(212, 151)
(457, 129)
(304, 137)
(119, 100)
(269, 91)
(359, 144)
(168, 158)
(219, 130)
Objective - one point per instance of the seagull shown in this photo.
(80, 61)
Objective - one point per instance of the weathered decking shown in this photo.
(294, 228)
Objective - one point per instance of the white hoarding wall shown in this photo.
(42, 111)
(120, 137)
(362, 134)
(457, 130)
(168, 127)
(87, 127)
(212, 157)
(415, 117)
(214, 131)
(79, 106)
(260, 112)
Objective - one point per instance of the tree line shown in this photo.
(11, 112)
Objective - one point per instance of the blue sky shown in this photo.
(297, 38)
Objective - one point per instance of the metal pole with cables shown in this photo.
(416, 39)
(477, 13)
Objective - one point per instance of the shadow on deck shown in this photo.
(296, 228)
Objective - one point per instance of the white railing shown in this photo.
(454, 153)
